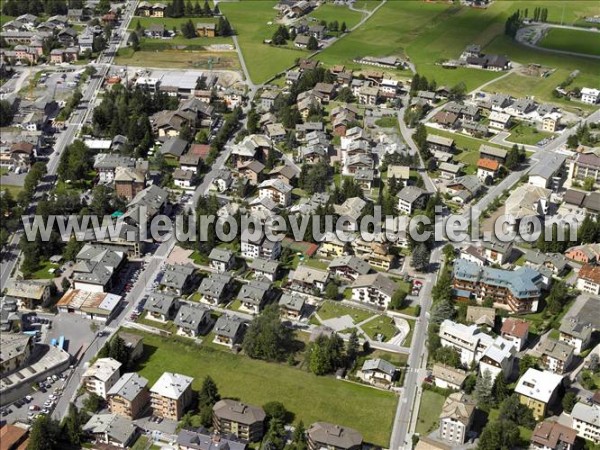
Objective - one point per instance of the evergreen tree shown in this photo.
(352, 347)
(134, 40)
(343, 27)
(44, 434)
(500, 390)
(483, 390)
(313, 44)
(206, 10)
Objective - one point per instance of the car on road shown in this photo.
(34, 408)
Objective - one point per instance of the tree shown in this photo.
(134, 41)
(511, 409)
(345, 95)
(569, 401)
(483, 389)
(325, 354)
(398, 299)
(206, 10)
(331, 290)
(352, 347)
(6, 113)
(92, 403)
(188, 30)
(276, 411)
(458, 92)
(72, 426)
(343, 27)
(593, 362)
(513, 158)
(499, 435)
(420, 257)
(44, 434)
(313, 44)
(65, 284)
(525, 363)
(223, 27)
(299, 438)
(448, 355)
(500, 389)
(118, 350)
(267, 338)
(470, 383)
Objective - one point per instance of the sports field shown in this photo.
(309, 397)
(587, 42)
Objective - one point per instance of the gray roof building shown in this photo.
(215, 285)
(128, 386)
(202, 439)
(254, 292)
(379, 365)
(160, 303)
(191, 317)
(238, 412)
(229, 326)
(329, 435)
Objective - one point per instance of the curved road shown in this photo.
(541, 27)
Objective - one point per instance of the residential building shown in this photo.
(257, 245)
(547, 173)
(192, 320)
(15, 351)
(171, 395)
(499, 121)
(229, 330)
(308, 280)
(496, 252)
(411, 198)
(516, 291)
(241, 420)
(215, 288)
(323, 435)
(456, 418)
(551, 435)
(178, 279)
(206, 29)
(487, 168)
(470, 342)
(378, 372)
(537, 390)
(221, 260)
(576, 333)
(586, 421)
(349, 267)
(498, 358)
(129, 182)
(585, 166)
(551, 122)
(264, 268)
(480, 315)
(129, 396)
(590, 96)
(291, 305)
(202, 439)
(161, 306)
(588, 280)
(254, 295)
(96, 268)
(368, 95)
(29, 293)
(101, 376)
(277, 191)
(374, 289)
(516, 331)
(556, 356)
(13, 437)
(332, 246)
(112, 430)
(439, 143)
(448, 377)
(587, 253)
(497, 154)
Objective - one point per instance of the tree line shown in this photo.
(181, 8)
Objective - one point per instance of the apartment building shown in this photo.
(576, 333)
(323, 435)
(456, 418)
(516, 291)
(537, 390)
(374, 289)
(515, 331)
(556, 356)
(101, 376)
(470, 342)
(588, 280)
(498, 358)
(586, 421)
(171, 395)
(550, 435)
(129, 396)
(241, 420)
(583, 166)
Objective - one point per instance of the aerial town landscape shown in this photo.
(300, 224)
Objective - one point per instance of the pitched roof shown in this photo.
(239, 412)
(449, 374)
(334, 436)
(515, 327)
(458, 407)
(590, 272)
(377, 281)
(379, 365)
(489, 164)
(549, 434)
(128, 386)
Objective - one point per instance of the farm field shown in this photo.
(309, 397)
(249, 19)
(329, 13)
(587, 42)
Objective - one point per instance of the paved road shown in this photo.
(540, 28)
(408, 404)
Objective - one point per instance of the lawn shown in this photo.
(249, 19)
(309, 397)
(42, 272)
(429, 412)
(387, 122)
(178, 59)
(526, 134)
(577, 41)
(329, 13)
(330, 309)
(380, 325)
(14, 190)
(168, 22)
(366, 5)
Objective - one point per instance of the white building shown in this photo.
(499, 121)
(586, 421)
(374, 289)
(276, 190)
(498, 358)
(537, 389)
(101, 376)
(448, 377)
(470, 342)
(576, 333)
(590, 96)
(456, 418)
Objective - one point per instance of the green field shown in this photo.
(329, 13)
(366, 5)
(330, 309)
(14, 190)
(168, 22)
(249, 19)
(380, 325)
(182, 59)
(587, 42)
(309, 397)
(526, 134)
(429, 412)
